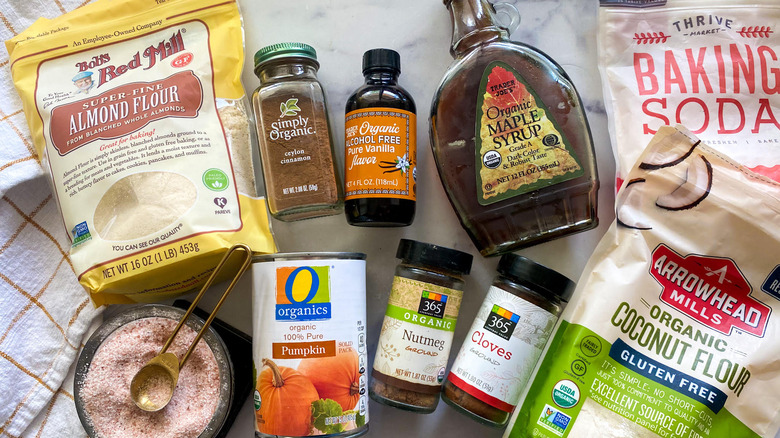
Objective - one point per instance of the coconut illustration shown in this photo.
(693, 190)
(667, 157)
(629, 208)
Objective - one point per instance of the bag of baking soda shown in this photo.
(673, 330)
(711, 65)
(137, 113)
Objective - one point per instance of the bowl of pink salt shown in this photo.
(126, 342)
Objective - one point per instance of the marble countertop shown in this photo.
(420, 31)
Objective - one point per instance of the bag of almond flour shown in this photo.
(137, 113)
(673, 329)
(711, 65)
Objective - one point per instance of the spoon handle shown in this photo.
(244, 266)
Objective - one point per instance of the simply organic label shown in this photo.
(298, 146)
(518, 147)
(381, 154)
(417, 332)
(501, 349)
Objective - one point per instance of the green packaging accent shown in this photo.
(610, 389)
(216, 180)
(399, 313)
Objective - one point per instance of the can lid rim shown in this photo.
(286, 256)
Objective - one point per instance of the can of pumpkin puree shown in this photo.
(309, 349)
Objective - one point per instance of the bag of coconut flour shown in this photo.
(711, 65)
(673, 330)
(137, 113)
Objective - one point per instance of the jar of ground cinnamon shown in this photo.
(296, 142)
(506, 340)
(416, 337)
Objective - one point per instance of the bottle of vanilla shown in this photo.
(510, 138)
(380, 129)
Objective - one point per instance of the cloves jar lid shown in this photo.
(285, 50)
(537, 277)
(435, 256)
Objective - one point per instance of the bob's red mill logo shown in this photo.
(711, 290)
(151, 55)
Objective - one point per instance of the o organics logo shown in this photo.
(303, 293)
(711, 290)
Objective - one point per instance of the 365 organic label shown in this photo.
(518, 147)
(417, 333)
(501, 349)
(381, 151)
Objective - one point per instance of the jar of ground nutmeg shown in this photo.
(506, 339)
(416, 337)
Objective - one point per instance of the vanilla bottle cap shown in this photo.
(381, 59)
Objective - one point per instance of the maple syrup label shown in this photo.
(381, 150)
(519, 148)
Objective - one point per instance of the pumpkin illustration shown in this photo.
(335, 377)
(285, 401)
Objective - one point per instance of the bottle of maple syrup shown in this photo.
(510, 138)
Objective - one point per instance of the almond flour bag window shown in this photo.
(710, 65)
(136, 110)
(673, 329)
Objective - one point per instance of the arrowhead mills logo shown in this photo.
(711, 290)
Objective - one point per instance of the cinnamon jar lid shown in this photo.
(285, 50)
(436, 256)
(535, 276)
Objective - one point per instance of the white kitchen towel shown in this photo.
(44, 312)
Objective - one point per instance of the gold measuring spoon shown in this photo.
(152, 386)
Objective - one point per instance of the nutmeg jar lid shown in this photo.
(535, 276)
(434, 256)
(285, 50)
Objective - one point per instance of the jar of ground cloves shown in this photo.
(296, 143)
(506, 339)
(416, 337)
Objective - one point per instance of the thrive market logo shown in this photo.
(302, 293)
(711, 290)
